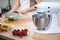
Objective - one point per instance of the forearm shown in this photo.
(15, 7)
(33, 7)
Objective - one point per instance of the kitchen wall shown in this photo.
(3, 3)
(12, 2)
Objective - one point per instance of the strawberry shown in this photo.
(14, 33)
(26, 30)
(19, 33)
(25, 33)
(14, 30)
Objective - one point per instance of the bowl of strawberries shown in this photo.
(20, 32)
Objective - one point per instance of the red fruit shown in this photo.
(14, 32)
(19, 33)
(26, 30)
(25, 33)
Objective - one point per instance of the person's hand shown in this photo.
(24, 12)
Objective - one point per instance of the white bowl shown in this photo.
(11, 15)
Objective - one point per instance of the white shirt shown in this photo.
(24, 5)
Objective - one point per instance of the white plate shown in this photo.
(11, 15)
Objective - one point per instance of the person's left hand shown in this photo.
(23, 12)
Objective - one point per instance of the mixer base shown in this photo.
(49, 31)
(53, 28)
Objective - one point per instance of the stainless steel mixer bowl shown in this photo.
(41, 23)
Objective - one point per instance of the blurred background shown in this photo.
(5, 3)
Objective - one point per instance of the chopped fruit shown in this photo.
(9, 20)
(4, 27)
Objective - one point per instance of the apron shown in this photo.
(26, 4)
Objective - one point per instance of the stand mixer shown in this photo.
(52, 9)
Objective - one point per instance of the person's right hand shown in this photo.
(23, 12)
